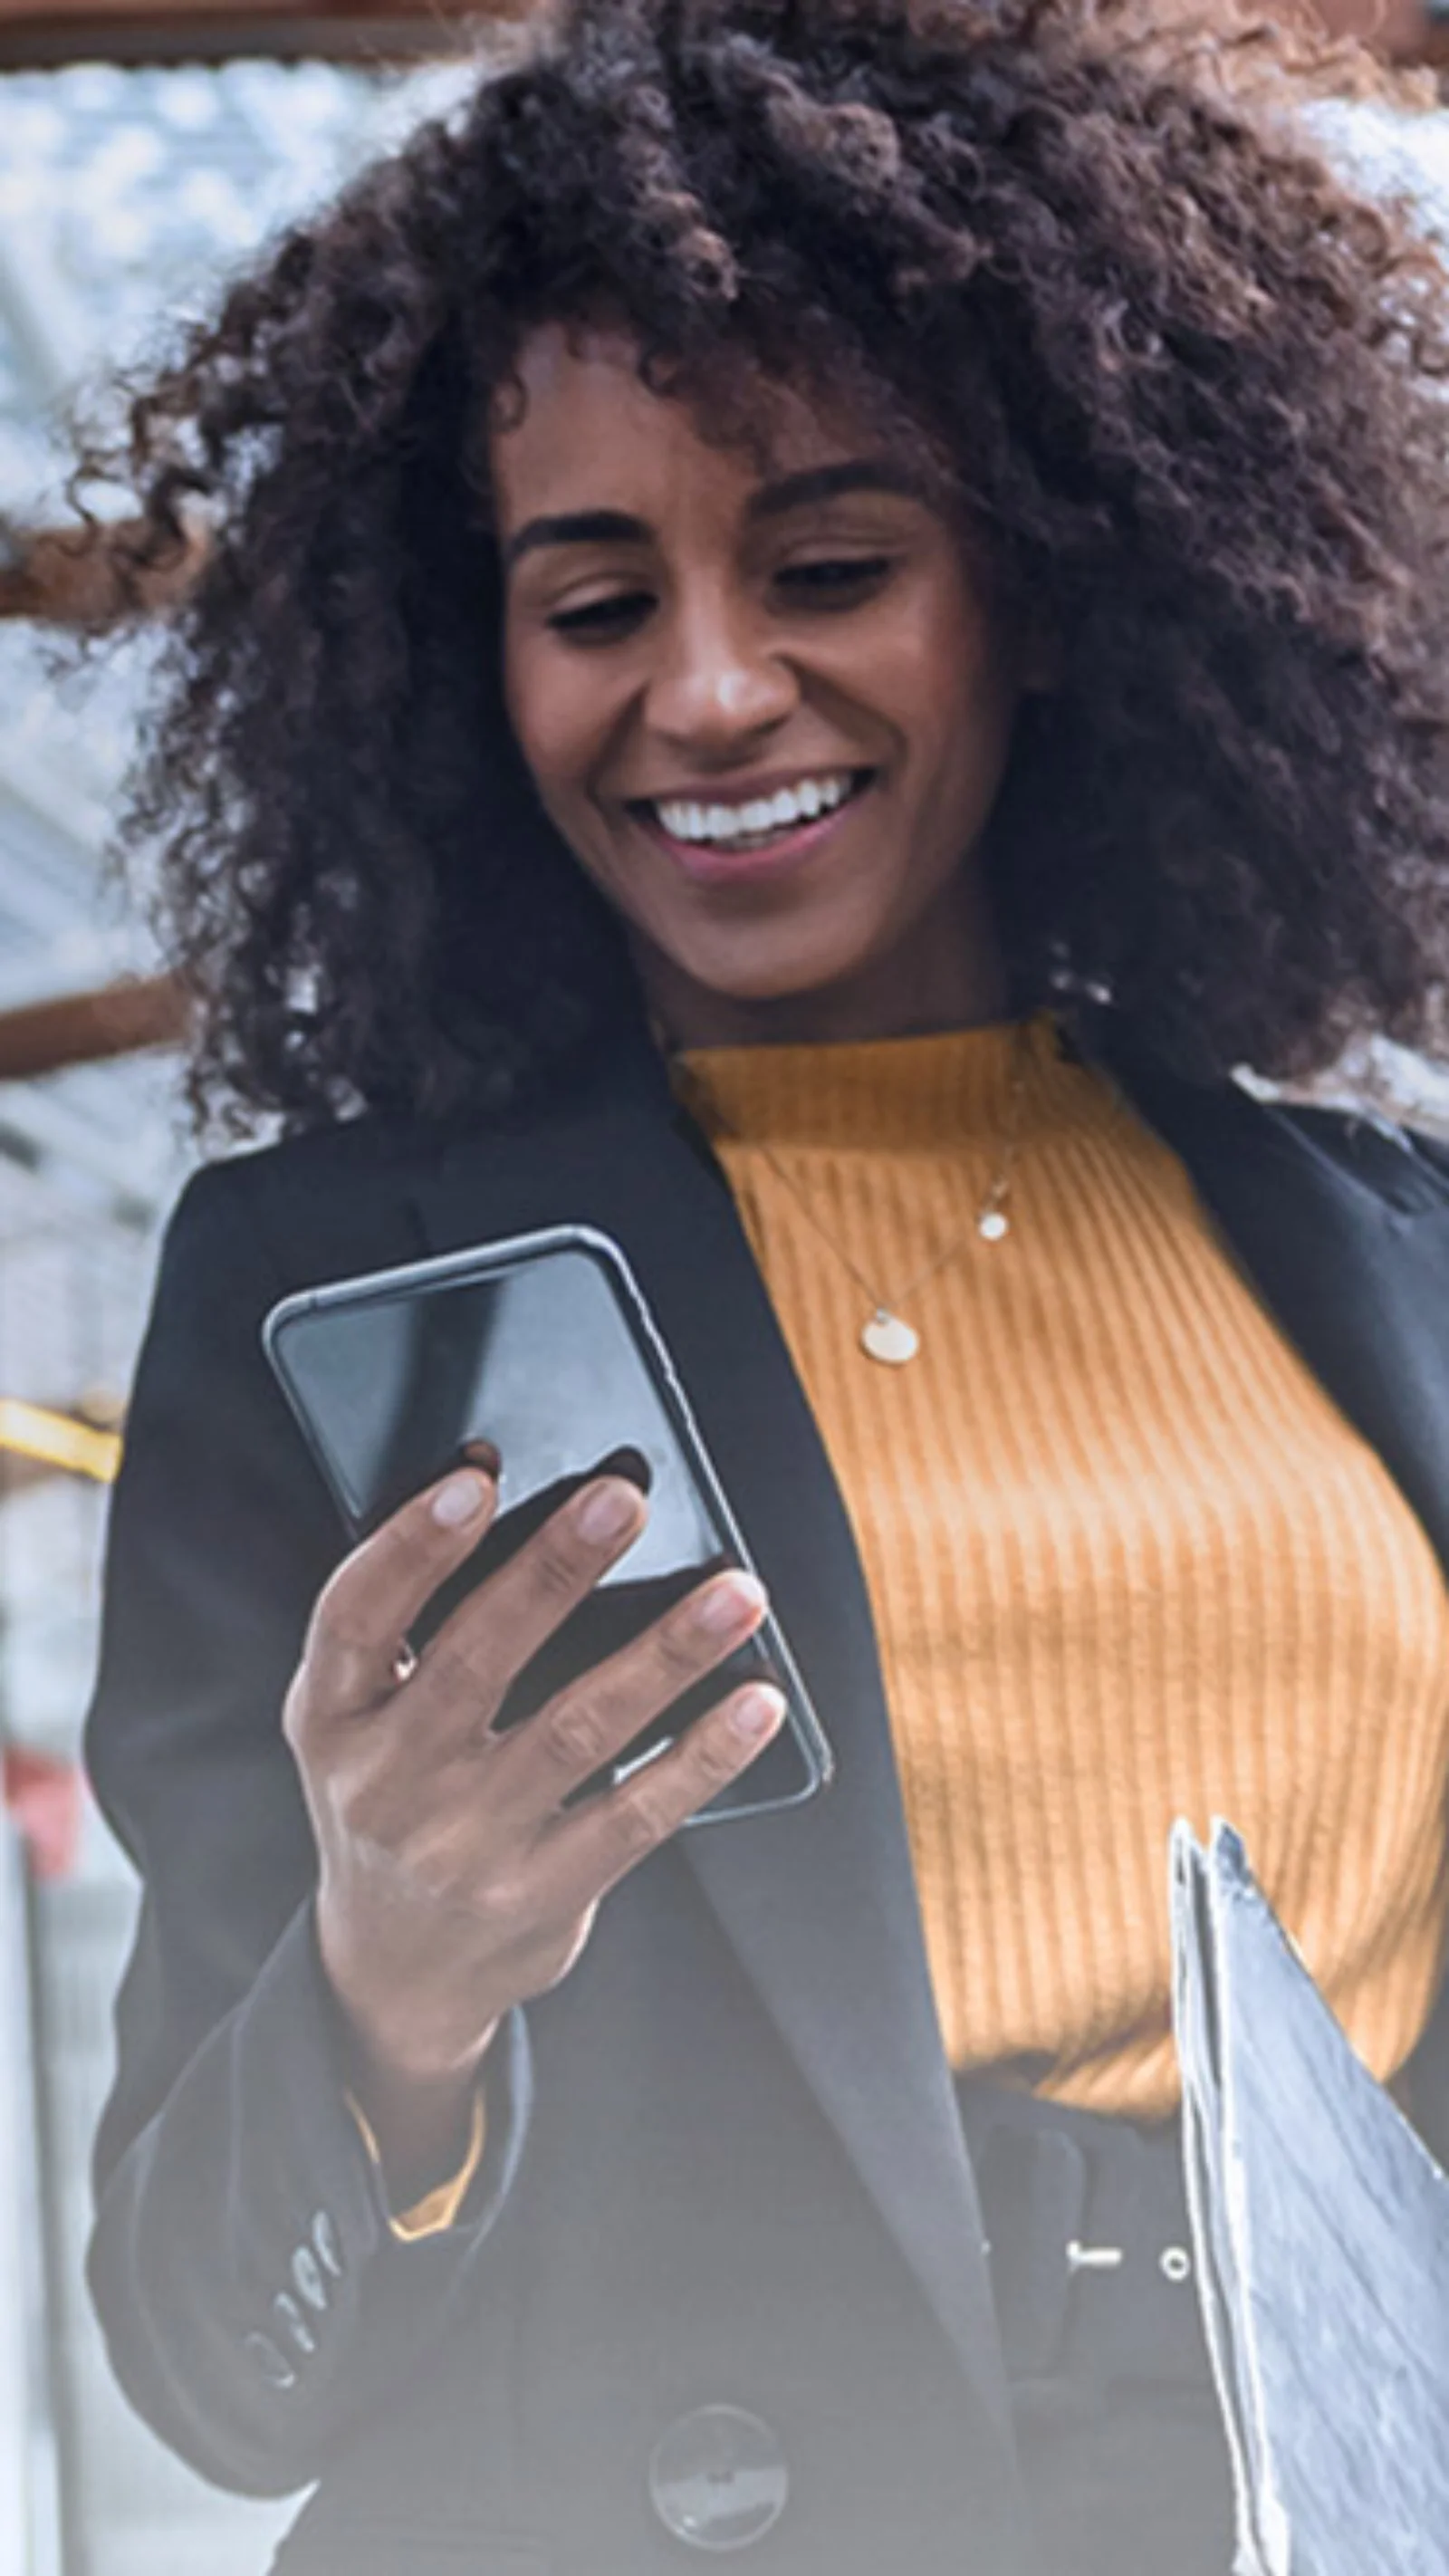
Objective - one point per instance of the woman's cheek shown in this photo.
(560, 722)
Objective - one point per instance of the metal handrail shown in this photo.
(28, 2491)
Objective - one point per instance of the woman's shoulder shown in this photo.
(294, 1211)
(332, 1156)
(356, 1178)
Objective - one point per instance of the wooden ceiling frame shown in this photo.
(81, 576)
(142, 1012)
(392, 31)
(180, 31)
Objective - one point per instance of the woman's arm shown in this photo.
(240, 2219)
(367, 1921)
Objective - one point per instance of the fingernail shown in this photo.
(731, 1603)
(607, 1512)
(459, 1500)
(757, 1714)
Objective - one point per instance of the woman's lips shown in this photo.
(705, 863)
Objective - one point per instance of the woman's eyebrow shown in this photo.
(576, 528)
(813, 484)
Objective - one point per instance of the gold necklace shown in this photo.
(885, 1335)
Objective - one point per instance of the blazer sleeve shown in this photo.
(255, 2300)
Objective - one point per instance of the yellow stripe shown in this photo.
(58, 1440)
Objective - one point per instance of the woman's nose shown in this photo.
(718, 682)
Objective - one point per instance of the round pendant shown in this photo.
(889, 1338)
(993, 1225)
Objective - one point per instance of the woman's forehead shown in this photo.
(580, 408)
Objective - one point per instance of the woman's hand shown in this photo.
(453, 1881)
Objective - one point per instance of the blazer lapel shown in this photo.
(819, 1902)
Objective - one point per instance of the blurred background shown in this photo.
(140, 161)
(144, 152)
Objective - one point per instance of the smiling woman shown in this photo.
(1207, 483)
(818, 614)
(707, 645)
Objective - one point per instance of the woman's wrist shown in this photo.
(419, 2125)
(415, 2098)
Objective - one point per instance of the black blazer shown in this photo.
(724, 2164)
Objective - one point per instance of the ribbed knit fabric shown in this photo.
(1126, 1558)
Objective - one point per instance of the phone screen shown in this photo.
(544, 1349)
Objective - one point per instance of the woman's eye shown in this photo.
(598, 620)
(834, 577)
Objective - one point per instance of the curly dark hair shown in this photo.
(1186, 382)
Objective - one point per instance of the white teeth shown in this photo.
(731, 823)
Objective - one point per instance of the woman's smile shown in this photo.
(752, 831)
(765, 702)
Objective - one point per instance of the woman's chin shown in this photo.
(778, 961)
(783, 988)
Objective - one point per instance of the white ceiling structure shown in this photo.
(124, 197)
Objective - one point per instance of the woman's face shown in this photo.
(767, 708)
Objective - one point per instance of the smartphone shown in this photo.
(544, 1347)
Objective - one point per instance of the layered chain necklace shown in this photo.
(885, 1334)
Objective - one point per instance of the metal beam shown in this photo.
(52, 841)
(42, 311)
(81, 1160)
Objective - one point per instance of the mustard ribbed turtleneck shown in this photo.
(1126, 1558)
